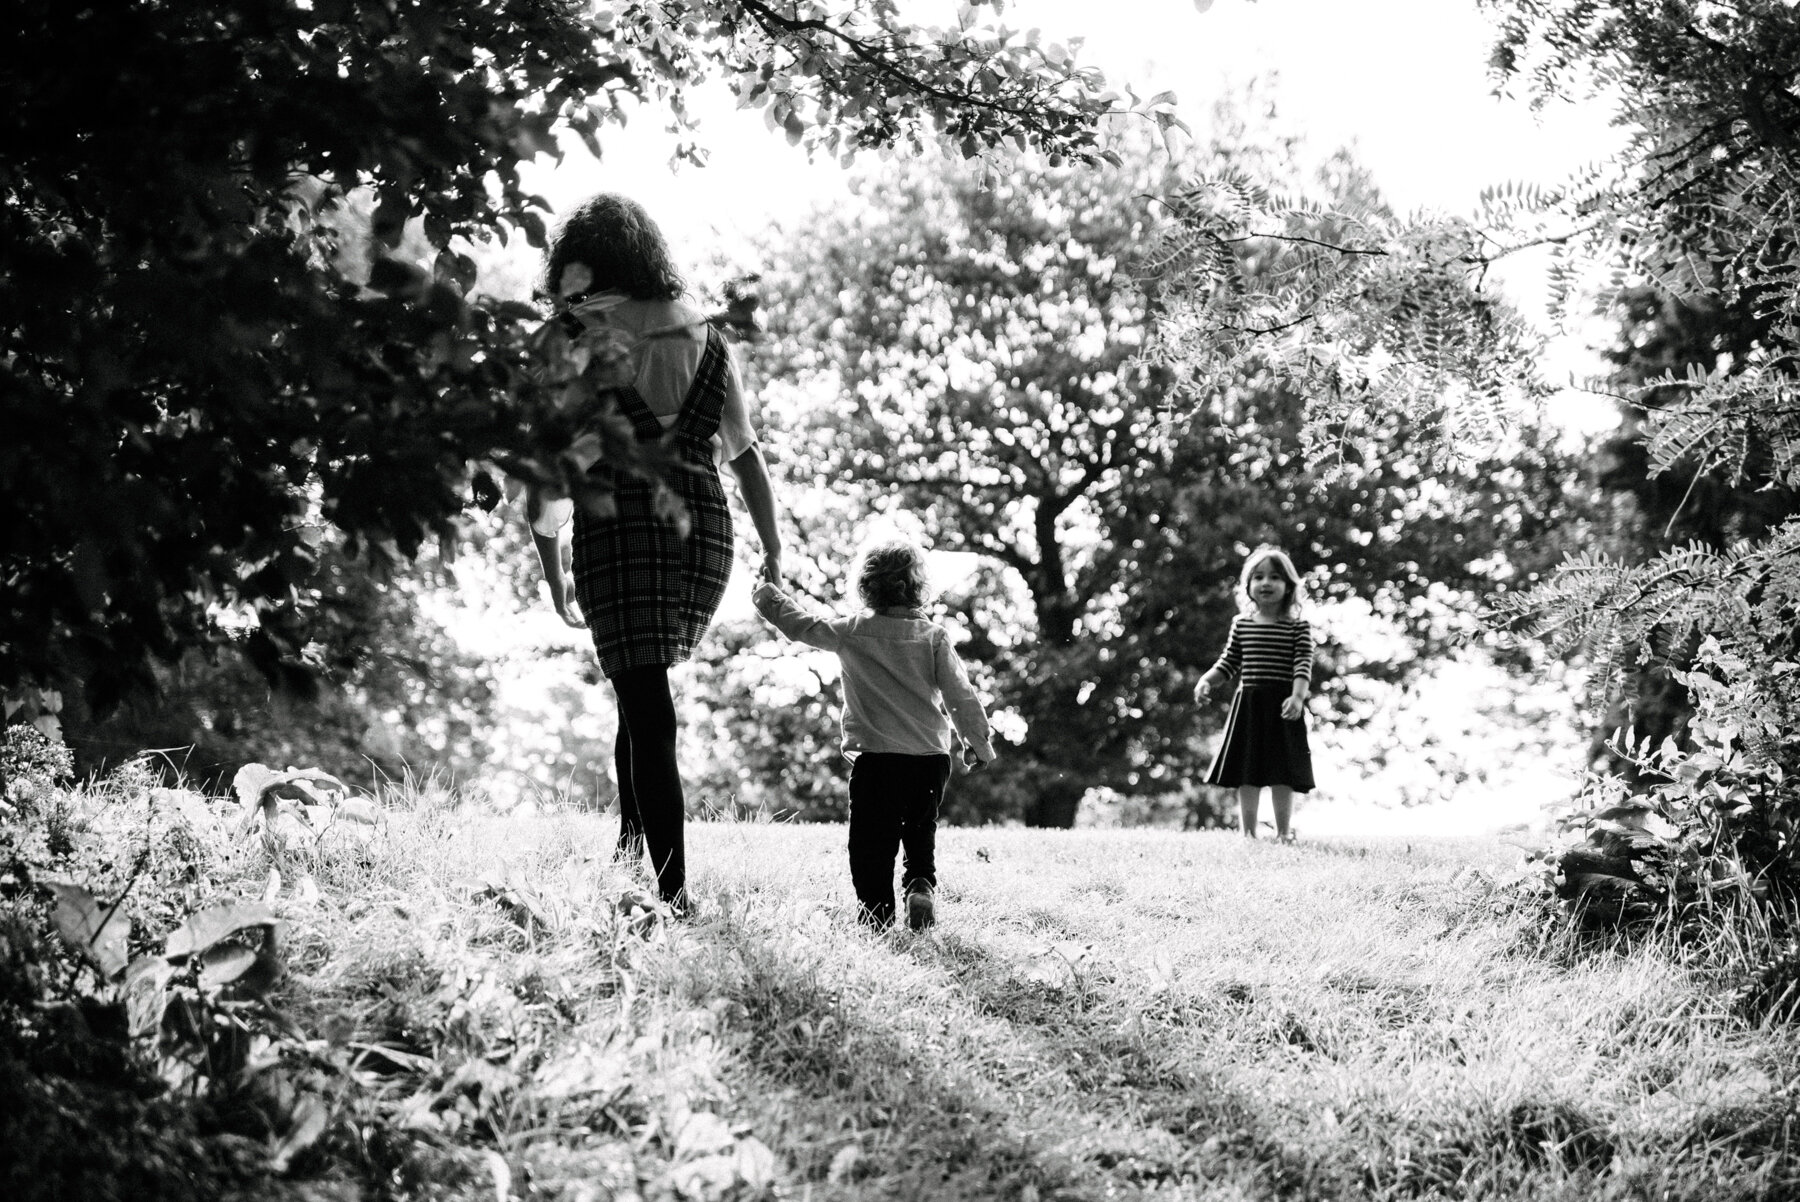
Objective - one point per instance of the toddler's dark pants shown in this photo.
(894, 803)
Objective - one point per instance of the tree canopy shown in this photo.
(196, 374)
(1700, 206)
(966, 354)
(1377, 314)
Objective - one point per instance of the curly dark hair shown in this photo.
(892, 575)
(615, 239)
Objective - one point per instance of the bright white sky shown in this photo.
(1404, 82)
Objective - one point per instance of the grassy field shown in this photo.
(1099, 1014)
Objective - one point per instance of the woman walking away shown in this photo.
(1270, 654)
(899, 674)
(644, 590)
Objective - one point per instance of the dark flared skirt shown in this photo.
(1260, 747)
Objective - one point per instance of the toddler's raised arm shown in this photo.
(788, 616)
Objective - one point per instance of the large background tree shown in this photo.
(1380, 315)
(967, 352)
(194, 374)
(1700, 207)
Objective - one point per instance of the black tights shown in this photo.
(651, 806)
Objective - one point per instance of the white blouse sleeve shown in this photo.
(736, 435)
(553, 516)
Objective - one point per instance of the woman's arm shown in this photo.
(556, 555)
(759, 498)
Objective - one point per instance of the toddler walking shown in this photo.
(899, 674)
(1270, 654)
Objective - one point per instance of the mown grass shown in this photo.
(1098, 1015)
(495, 1009)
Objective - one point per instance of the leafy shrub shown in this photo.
(1717, 819)
(1771, 988)
(142, 1053)
(31, 765)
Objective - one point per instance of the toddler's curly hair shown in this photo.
(891, 574)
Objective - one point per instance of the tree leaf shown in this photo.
(755, 1164)
(223, 963)
(99, 931)
(208, 927)
(147, 994)
(359, 809)
(250, 782)
(309, 1120)
(700, 1132)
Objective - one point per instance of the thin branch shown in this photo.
(1301, 320)
(1700, 470)
(1342, 250)
(880, 62)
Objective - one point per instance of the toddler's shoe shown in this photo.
(921, 912)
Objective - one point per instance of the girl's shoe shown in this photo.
(920, 910)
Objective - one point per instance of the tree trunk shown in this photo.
(1057, 802)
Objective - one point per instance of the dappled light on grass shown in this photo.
(472, 1001)
(1235, 1019)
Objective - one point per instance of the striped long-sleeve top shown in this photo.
(1264, 653)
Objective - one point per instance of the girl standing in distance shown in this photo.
(1270, 654)
(899, 674)
(644, 591)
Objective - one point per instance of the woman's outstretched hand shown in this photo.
(568, 609)
(771, 568)
(562, 587)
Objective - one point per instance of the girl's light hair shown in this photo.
(621, 247)
(891, 574)
(1296, 594)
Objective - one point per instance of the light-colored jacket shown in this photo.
(895, 672)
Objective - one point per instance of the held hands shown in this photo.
(771, 567)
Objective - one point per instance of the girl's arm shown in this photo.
(759, 498)
(1294, 704)
(556, 554)
(1225, 669)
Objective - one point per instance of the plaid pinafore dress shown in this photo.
(647, 592)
